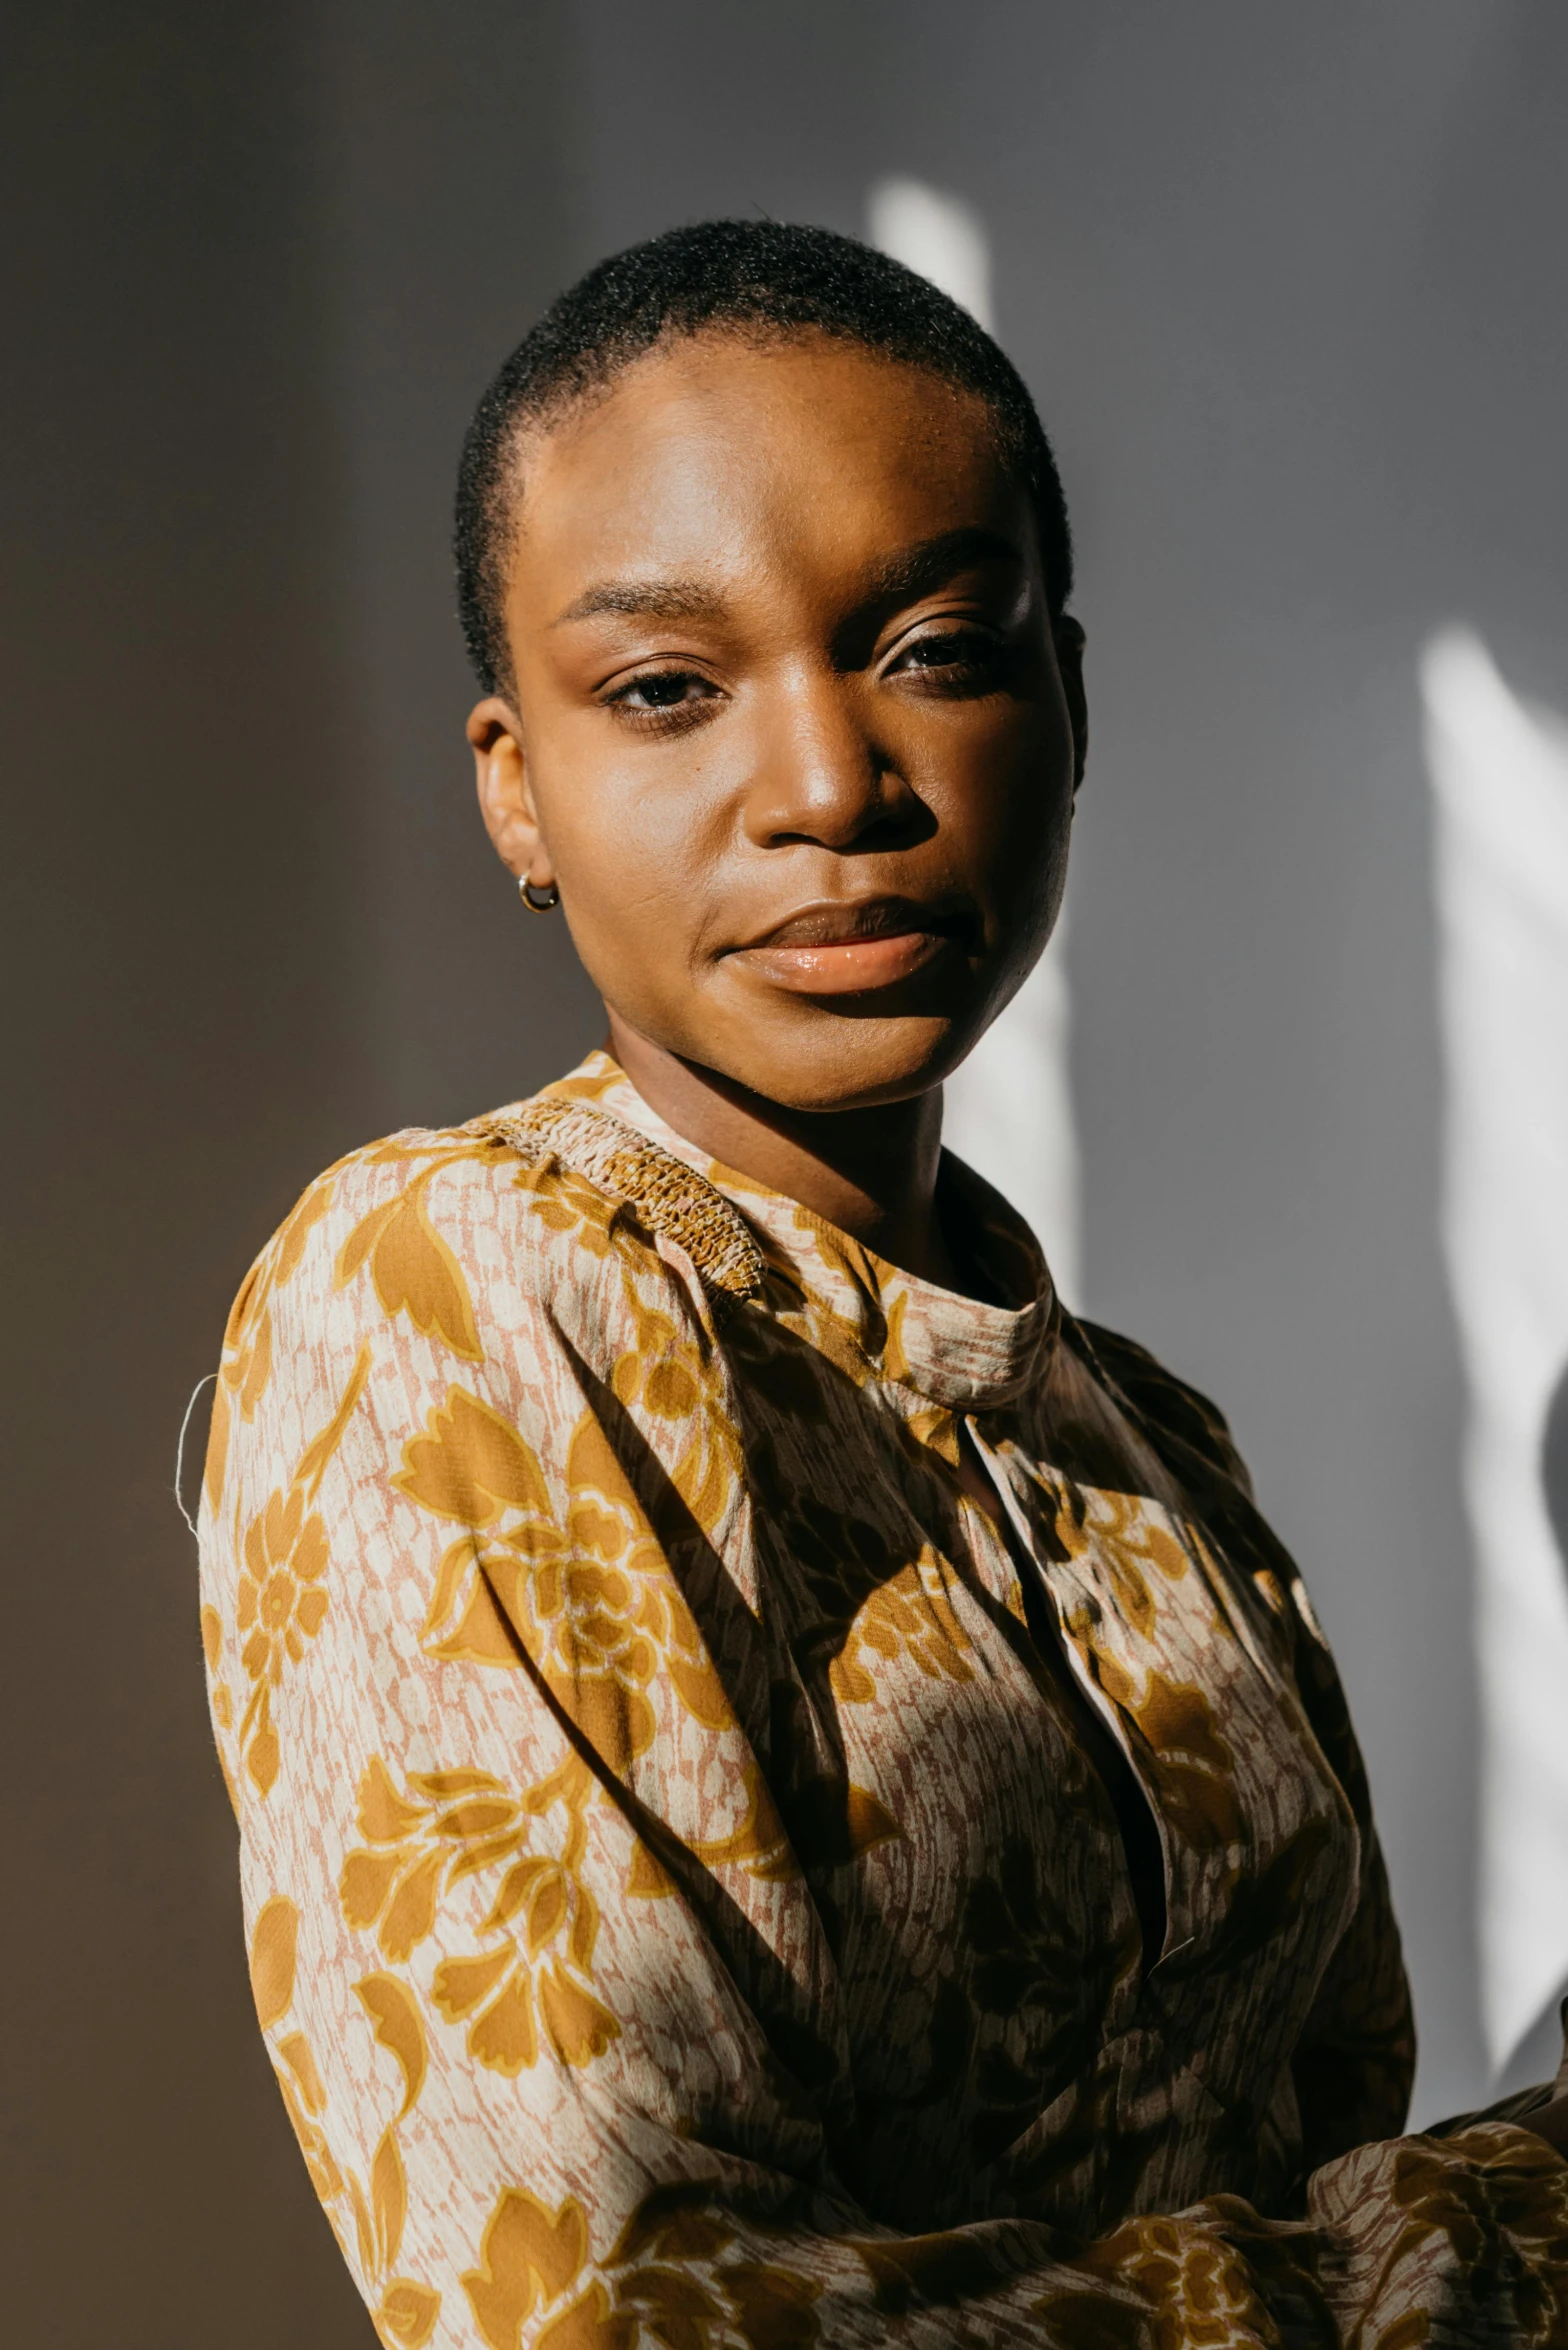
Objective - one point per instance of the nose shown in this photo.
(822, 775)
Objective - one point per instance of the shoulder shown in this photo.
(1177, 1418)
(376, 1212)
(445, 1230)
(542, 1223)
(431, 1260)
(476, 1279)
(1192, 1439)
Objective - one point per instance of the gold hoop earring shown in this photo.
(546, 901)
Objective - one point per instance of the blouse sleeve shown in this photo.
(542, 1984)
(1356, 2060)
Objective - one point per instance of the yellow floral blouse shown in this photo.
(781, 1805)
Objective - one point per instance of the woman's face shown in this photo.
(792, 732)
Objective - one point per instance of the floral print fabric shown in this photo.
(695, 1698)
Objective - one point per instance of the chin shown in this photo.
(856, 1065)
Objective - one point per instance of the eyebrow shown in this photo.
(646, 599)
(913, 571)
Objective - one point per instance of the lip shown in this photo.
(840, 947)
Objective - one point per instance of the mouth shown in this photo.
(842, 947)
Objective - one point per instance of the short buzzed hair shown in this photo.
(757, 278)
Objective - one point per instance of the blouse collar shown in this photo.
(879, 1321)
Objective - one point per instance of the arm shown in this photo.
(1550, 2121)
(1354, 2066)
(1356, 2060)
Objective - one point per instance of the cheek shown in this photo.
(631, 858)
(1002, 793)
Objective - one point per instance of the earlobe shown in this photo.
(505, 797)
(1070, 641)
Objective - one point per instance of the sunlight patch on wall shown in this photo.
(1499, 771)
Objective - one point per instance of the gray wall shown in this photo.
(1287, 283)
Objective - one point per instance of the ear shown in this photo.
(1069, 640)
(506, 799)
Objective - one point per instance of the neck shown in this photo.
(869, 1172)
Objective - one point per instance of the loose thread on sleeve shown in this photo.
(179, 1451)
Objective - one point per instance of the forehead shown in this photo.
(715, 455)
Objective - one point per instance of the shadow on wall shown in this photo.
(1500, 776)
(1554, 1464)
(1543, 2045)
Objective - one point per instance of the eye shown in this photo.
(663, 694)
(957, 660)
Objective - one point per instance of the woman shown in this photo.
(787, 1794)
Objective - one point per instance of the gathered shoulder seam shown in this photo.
(666, 1196)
